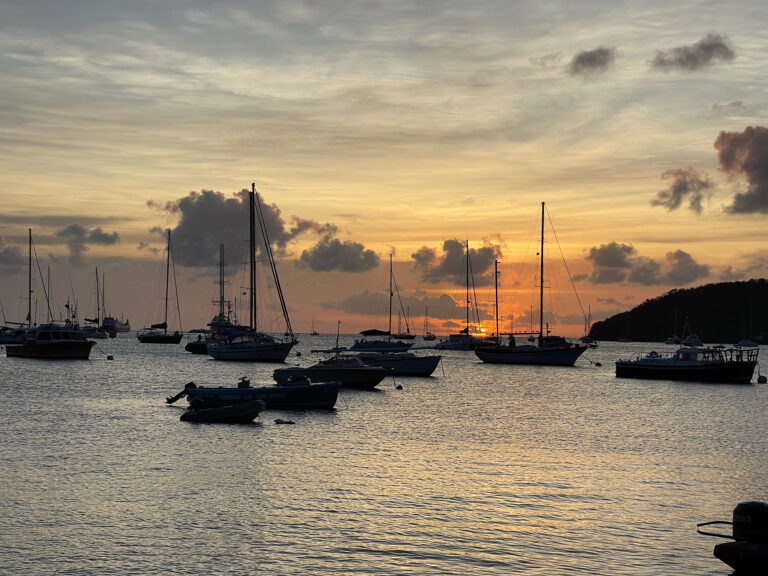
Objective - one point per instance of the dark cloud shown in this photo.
(333, 254)
(10, 255)
(685, 183)
(682, 269)
(77, 237)
(756, 268)
(592, 62)
(451, 266)
(209, 218)
(709, 50)
(746, 154)
(619, 263)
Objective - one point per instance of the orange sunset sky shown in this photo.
(375, 128)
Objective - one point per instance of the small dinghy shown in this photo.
(748, 554)
(239, 413)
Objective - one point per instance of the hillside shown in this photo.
(719, 313)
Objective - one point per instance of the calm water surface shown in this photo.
(479, 469)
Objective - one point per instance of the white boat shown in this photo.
(252, 345)
(548, 350)
(158, 333)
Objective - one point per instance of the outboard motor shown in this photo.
(748, 553)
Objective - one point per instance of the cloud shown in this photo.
(685, 183)
(77, 237)
(746, 154)
(10, 255)
(208, 219)
(592, 62)
(451, 266)
(735, 107)
(756, 268)
(711, 49)
(619, 263)
(333, 254)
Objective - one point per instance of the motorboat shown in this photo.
(348, 369)
(51, 342)
(716, 364)
(402, 363)
(296, 394)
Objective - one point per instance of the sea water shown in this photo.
(479, 469)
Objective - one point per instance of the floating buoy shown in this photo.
(762, 379)
(110, 357)
(281, 421)
(399, 387)
(598, 363)
(298, 354)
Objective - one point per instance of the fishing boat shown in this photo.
(382, 341)
(48, 341)
(158, 333)
(252, 345)
(297, 394)
(548, 350)
(238, 413)
(715, 364)
(348, 369)
(693, 362)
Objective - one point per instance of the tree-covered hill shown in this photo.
(719, 313)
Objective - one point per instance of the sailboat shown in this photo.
(465, 339)
(548, 350)
(92, 328)
(428, 336)
(313, 332)
(381, 345)
(158, 333)
(251, 345)
(109, 323)
(49, 341)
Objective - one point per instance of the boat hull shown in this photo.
(321, 396)
(159, 338)
(531, 355)
(78, 350)
(380, 346)
(744, 557)
(250, 352)
(403, 364)
(722, 373)
(366, 377)
(239, 413)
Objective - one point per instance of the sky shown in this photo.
(378, 128)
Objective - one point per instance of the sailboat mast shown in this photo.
(221, 281)
(496, 290)
(167, 278)
(29, 280)
(467, 281)
(389, 327)
(541, 281)
(252, 248)
(98, 301)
